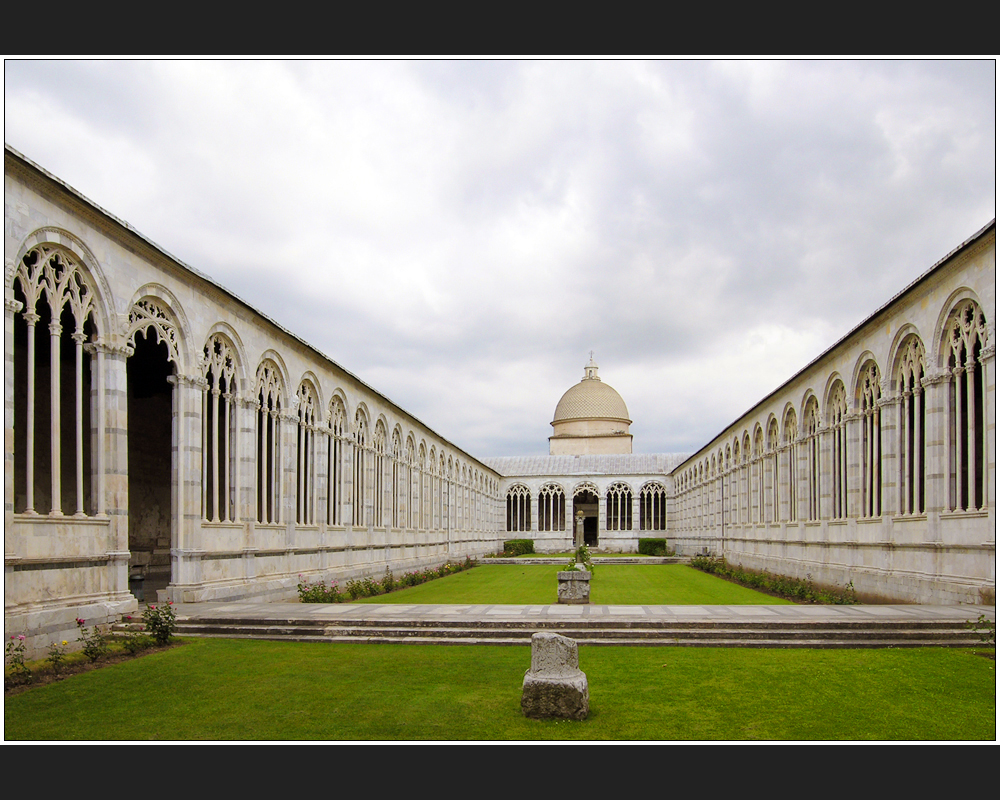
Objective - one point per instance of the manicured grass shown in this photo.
(613, 584)
(219, 689)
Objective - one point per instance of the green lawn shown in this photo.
(613, 584)
(593, 554)
(218, 689)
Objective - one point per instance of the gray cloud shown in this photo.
(460, 234)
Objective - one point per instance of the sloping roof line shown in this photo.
(618, 464)
(968, 243)
(97, 209)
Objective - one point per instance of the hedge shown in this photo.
(518, 547)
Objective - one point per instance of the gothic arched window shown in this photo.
(335, 463)
(837, 414)
(220, 424)
(966, 338)
(518, 508)
(871, 441)
(551, 508)
(269, 393)
(653, 507)
(619, 502)
(911, 427)
(53, 338)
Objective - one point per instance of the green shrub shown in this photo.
(652, 547)
(581, 556)
(802, 591)
(518, 547)
(985, 628)
(388, 583)
(95, 645)
(319, 592)
(57, 655)
(371, 587)
(14, 653)
(160, 622)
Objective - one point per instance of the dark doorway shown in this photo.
(150, 444)
(586, 501)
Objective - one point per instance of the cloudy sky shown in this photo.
(461, 235)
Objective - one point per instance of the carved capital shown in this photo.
(935, 376)
(188, 381)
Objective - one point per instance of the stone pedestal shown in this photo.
(554, 687)
(574, 587)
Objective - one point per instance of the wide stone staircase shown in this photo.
(594, 631)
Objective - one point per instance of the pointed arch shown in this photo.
(910, 369)
(270, 399)
(56, 287)
(379, 442)
(410, 457)
(965, 341)
(337, 437)
(398, 481)
(423, 490)
(48, 241)
(836, 414)
(811, 435)
(362, 455)
(619, 507)
(551, 508)
(653, 507)
(155, 311)
(868, 401)
(307, 428)
(222, 371)
(518, 508)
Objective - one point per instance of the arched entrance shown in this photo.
(150, 447)
(586, 502)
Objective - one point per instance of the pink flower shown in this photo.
(20, 638)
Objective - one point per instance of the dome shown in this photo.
(591, 398)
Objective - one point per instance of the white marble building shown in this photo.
(876, 463)
(159, 428)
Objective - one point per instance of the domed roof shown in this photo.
(591, 398)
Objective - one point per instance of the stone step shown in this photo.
(694, 642)
(736, 641)
(596, 632)
(592, 623)
(664, 633)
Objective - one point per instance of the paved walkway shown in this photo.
(665, 614)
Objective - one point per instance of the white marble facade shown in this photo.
(875, 464)
(157, 427)
(197, 444)
(621, 497)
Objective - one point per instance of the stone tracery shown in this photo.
(52, 288)
(220, 412)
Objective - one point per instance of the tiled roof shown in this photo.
(621, 464)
